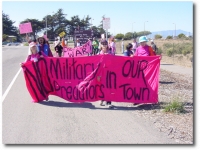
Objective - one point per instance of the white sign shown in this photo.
(106, 23)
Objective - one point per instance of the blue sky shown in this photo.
(124, 16)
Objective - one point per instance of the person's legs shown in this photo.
(109, 104)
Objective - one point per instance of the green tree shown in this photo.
(143, 33)
(5, 37)
(8, 27)
(128, 36)
(158, 36)
(169, 37)
(119, 36)
(181, 36)
(56, 24)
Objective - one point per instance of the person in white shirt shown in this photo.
(135, 45)
(122, 46)
(78, 43)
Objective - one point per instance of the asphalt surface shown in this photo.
(12, 56)
(61, 122)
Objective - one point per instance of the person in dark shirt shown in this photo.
(128, 51)
(153, 45)
(58, 48)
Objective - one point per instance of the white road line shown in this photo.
(9, 87)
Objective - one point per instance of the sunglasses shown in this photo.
(104, 44)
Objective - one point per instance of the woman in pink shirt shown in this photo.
(104, 50)
(34, 54)
(144, 49)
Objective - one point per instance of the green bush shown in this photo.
(175, 107)
(170, 52)
(26, 44)
(159, 51)
(185, 52)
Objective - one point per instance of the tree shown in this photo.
(158, 36)
(119, 36)
(5, 37)
(169, 37)
(8, 27)
(37, 26)
(56, 24)
(181, 36)
(128, 36)
(142, 33)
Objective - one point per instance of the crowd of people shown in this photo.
(41, 48)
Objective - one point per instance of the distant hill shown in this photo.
(169, 32)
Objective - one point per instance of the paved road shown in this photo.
(177, 69)
(11, 57)
(61, 122)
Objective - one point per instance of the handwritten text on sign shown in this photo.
(102, 77)
(25, 28)
(83, 50)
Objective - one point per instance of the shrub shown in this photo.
(175, 107)
(185, 52)
(159, 51)
(169, 37)
(170, 52)
(26, 44)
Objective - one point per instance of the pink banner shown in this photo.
(93, 78)
(25, 28)
(84, 50)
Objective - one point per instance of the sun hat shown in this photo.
(32, 44)
(143, 39)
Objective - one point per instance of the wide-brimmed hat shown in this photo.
(143, 39)
(41, 37)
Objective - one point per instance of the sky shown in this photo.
(125, 16)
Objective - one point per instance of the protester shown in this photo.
(144, 49)
(153, 45)
(122, 46)
(63, 43)
(103, 51)
(128, 51)
(112, 45)
(135, 45)
(34, 54)
(78, 43)
(59, 49)
(95, 46)
(43, 47)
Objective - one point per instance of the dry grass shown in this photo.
(177, 59)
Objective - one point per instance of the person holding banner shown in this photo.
(105, 50)
(43, 47)
(144, 49)
(128, 51)
(34, 54)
